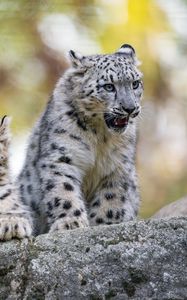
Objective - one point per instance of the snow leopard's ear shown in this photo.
(76, 59)
(5, 122)
(5, 130)
(129, 52)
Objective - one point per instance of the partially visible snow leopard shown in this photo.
(15, 217)
(80, 164)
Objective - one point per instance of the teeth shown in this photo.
(121, 122)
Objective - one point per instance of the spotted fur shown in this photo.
(80, 164)
(15, 217)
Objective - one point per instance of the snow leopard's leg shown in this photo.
(62, 200)
(116, 200)
(15, 219)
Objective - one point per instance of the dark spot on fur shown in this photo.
(99, 221)
(67, 204)
(89, 93)
(123, 199)
(49, 214)
(109, 196)
(92, 215)
(34, 206)
(109, 214)
(5, 195)
(34, 163)
(71, 177)
(77, 212)
(62, 149)
(132, 75)
(59, 130)
(22, 188)
(76, 223)
(29, 189)
(68, 186)
(133, 186)
(96, 203)
(27, 174)
(64, 159)
(75, 137)
(125, 186)
(6, 229)
(54, 146)
(58, 173)
(107, 185)
(50, 185)
(70, 113)
(117, 215)
(125, 158)
(62, 215)
(52, 166)
(49, 206)
(81, 124)
(57, 201)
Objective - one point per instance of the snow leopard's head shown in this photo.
(109, 86)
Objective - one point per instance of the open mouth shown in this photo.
(115, 122)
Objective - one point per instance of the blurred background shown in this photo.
(35, 37)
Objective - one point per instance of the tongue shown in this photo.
(121, 122)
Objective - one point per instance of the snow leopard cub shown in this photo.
(80, 164)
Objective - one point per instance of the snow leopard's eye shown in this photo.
(109, 87)
(135, 84)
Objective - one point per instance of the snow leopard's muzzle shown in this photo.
(118, 121)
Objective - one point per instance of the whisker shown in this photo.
(109, 118)
(140, 117)
(142, 114)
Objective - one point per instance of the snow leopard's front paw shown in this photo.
(14, 227)
(69, 223)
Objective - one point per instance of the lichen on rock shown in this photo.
(134, 260)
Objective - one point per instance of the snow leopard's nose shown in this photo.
(129, 109)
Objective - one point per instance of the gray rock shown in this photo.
(134, 260)
(177, 208)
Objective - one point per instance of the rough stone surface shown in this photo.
(135, 260)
